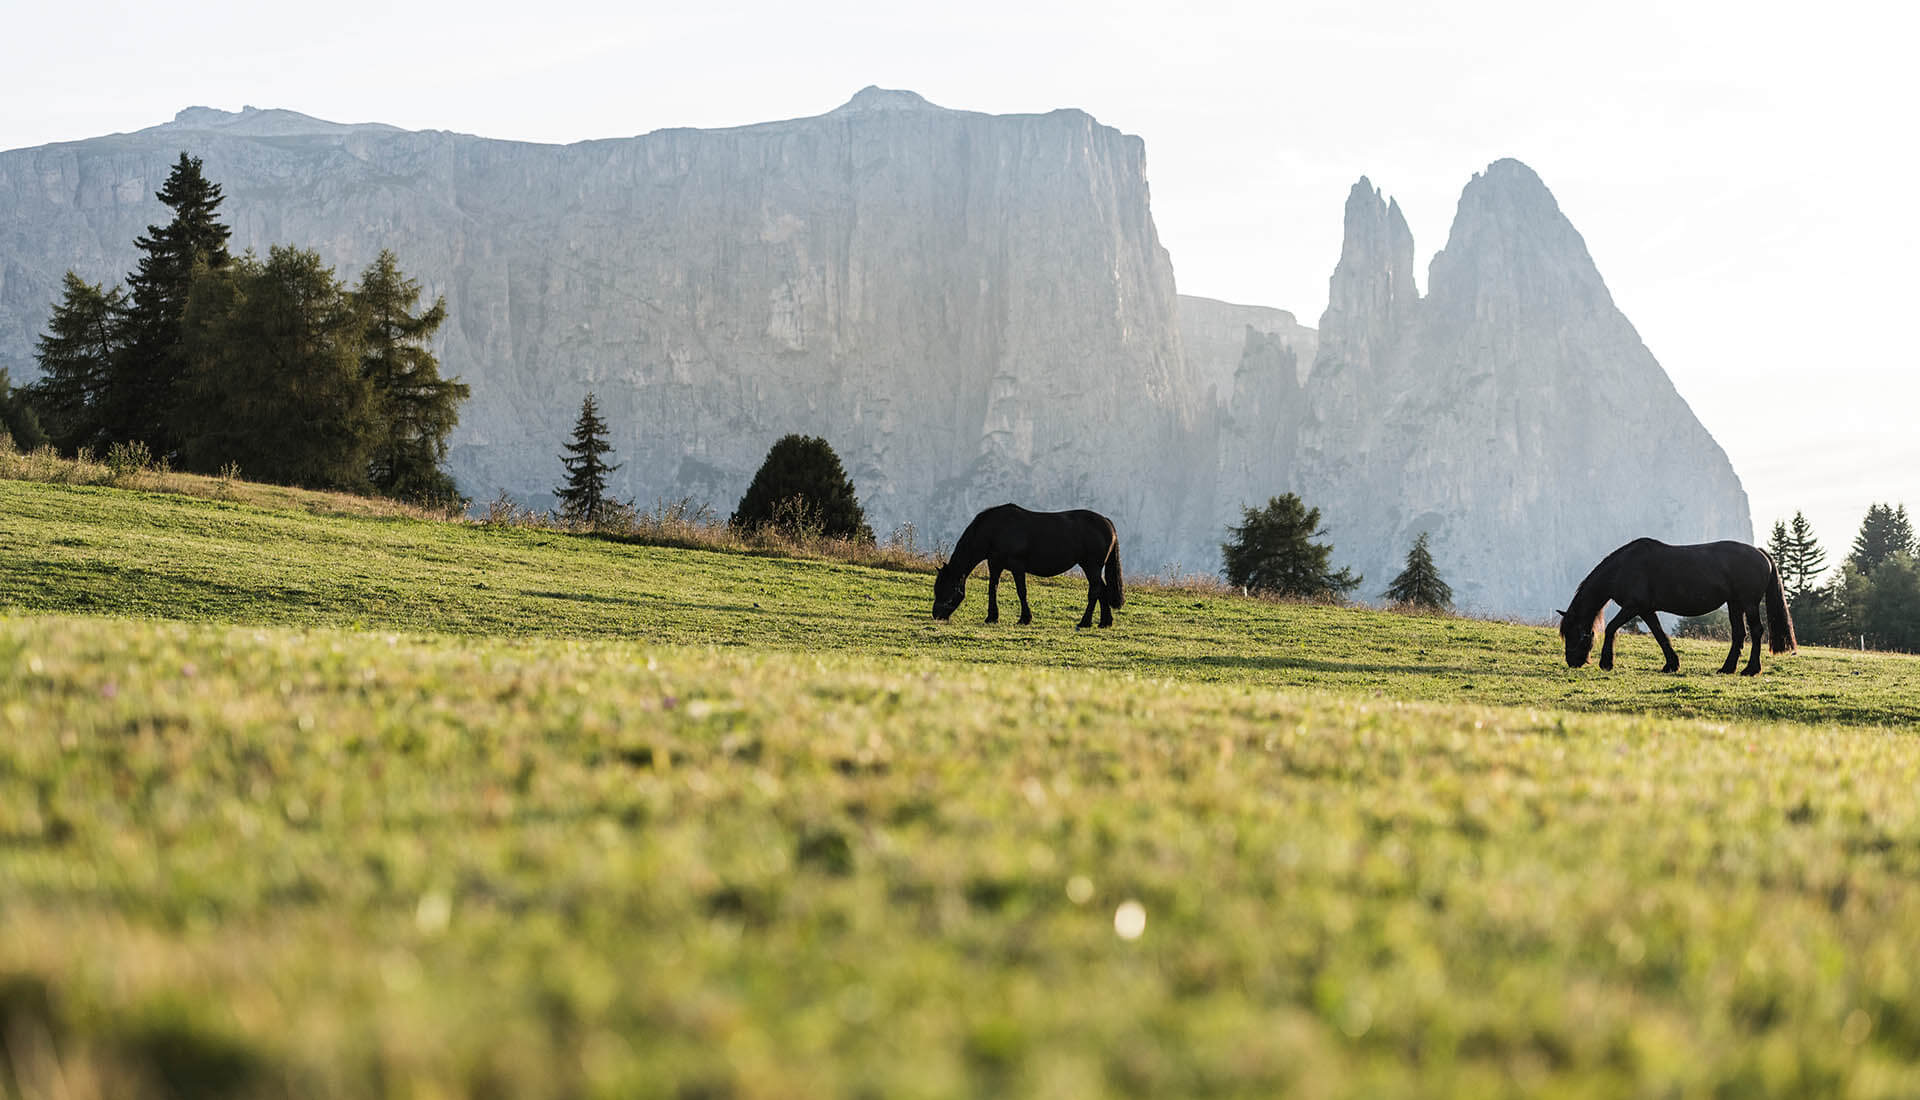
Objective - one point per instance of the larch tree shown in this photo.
(415, 408)
(276, 384)
(84, 340)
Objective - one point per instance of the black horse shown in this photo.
(1646, 576)
(1046, 544)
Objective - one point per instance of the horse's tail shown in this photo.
(1779, 622)
(1110, 579)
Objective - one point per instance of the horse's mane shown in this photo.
(1591, 597)
(965, 548)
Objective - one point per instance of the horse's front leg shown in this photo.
(1666, 647)
(1093, 595)
(1613, 627)
(1736, 626)
(1753, 661)
(993, 592)
(1020, 586)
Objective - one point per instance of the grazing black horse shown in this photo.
(1045, 544)
(1646, 576)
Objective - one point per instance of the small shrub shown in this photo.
(127, 459)
(504, 511)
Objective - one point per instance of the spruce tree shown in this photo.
(802, 486)
(1780, 548)
(1272, 550)
(276, 383)
(144, 390)
(84, 340)
(583, 499)
(1419, 584)
(1885, 533)
(1807, 560)
(415, 408)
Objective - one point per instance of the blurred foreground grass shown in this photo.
(500, 813)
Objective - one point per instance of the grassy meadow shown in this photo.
(298, 800)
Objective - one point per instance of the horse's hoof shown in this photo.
(1669, 668)
(1026, 620)
(1606, 666)
(1726, 670)
(1749, 672)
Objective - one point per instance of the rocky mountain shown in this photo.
(1513, 412)
(971, 309)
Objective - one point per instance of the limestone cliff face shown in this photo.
(1215, 335)
(970, 308)
(1513, 413)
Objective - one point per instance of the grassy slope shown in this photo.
(622, 821)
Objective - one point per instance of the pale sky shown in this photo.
(1744, 174)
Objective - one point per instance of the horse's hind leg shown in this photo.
(1093, 595)
(1666, 647)
(1020, 586)
(1736, 622)
(993, 593)
(1753, 661)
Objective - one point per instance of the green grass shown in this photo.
(301, 805)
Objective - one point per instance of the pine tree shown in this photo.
(416, 409)
(85, 338)
(143, 394)
(276, 383)
(801, 487)
(1272, 551)
(1884, 533)
(1419, 584)
(584, 497)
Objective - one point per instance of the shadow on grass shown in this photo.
(1322, 665)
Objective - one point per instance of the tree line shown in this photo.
(1874, 598)
(274, 367)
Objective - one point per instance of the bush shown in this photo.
(803, 492)
(127, 459)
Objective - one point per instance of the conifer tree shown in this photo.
(802, 484)
(1419, 584)
(583, 499)
(1806, 561)
(1885, 532)
(17, 418)
(143, 394)
(1272, 550)
(84, 339)
(416, 408)
(276, 382)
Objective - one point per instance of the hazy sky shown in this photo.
(1744, 174)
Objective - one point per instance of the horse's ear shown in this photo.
(1561, 612)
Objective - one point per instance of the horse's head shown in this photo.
(949, 588)
(1579, 638)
